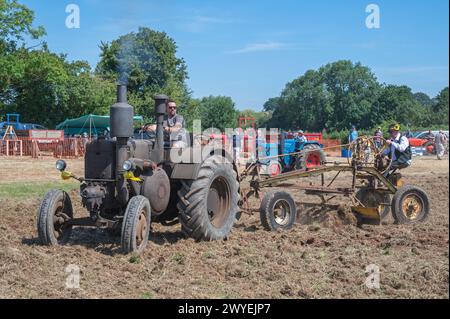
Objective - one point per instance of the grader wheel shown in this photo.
(410, 205)
(278, 211)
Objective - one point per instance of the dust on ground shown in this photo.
(321, 257)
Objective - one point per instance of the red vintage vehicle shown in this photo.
(422, 140)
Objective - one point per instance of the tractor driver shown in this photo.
(173, 124)
(398, 149)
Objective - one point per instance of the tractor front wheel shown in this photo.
(52, 222)
(136, 225)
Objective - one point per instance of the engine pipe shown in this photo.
(121, 122)
(160, 112)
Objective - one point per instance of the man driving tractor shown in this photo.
(174, 125)
(398, 150)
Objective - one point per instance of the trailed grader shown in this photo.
(130, 182)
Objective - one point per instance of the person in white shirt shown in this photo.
(398, 150)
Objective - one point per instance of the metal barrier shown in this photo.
(69, 148)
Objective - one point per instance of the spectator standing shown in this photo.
(353, 135)
(440, 140)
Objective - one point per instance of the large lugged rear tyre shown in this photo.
(208, 205)
(373, 198)
(410, 205)
(54, 213)
(136, 225)
(278, 211)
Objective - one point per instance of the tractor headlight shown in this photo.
(61, 165)
(127, 166)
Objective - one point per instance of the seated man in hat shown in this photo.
(398, 150)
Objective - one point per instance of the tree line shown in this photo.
(46, 88)
(341, 94)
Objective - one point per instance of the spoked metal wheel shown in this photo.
(141, 228)
(54, 215)
(412, 206)
(136, 225)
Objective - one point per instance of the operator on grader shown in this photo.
(398, 150)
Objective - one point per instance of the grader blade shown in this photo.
(367, 212)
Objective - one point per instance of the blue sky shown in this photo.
(250, 49)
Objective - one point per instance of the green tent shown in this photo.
(90, 124)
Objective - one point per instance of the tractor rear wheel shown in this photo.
(410, 205)
(278, 211)
(136, 225)
(312, 157)
(208, 205)
(54, 213)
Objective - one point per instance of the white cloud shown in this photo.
(199, 23)
(260, 47)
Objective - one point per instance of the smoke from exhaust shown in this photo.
(125, 59)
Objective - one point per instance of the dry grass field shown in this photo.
(321, 257)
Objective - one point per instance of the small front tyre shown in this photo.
(136, 225)
(278, 211)
(54, 214)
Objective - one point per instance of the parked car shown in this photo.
(421, 140)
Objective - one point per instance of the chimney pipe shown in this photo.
(121, 125)
(160, 111)
(121, 93)
(121, 115)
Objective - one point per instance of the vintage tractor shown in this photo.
(289, 154)
(129, 183)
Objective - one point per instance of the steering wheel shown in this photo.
(366, 152)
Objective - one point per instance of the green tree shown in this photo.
(272, 104)
(47, 89)
(261, 118)
(338, 95)
(16, 23)
(440, 109)
(147, 62)
(217, 112)
(424, 99)
(398, 104)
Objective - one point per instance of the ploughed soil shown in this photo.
(325, 255)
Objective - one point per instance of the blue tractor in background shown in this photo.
(14, 121)
(298, 155)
